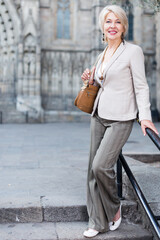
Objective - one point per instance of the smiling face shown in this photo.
(113, 27)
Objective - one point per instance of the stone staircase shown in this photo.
(61, 220)
(68, 231)
(43, 185)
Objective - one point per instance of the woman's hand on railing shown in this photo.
(148, 124)
(88, 75)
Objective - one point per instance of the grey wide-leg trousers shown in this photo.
(107, 140)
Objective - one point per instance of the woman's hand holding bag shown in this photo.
(86, 97)
(89, 75)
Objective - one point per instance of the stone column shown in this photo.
(149, 48)
(96, 35)
(158, 61)
(144, 35)
(137, 27)
(29, 66)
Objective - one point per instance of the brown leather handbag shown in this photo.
(86, 97)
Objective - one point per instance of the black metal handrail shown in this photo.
(122, 162)
(153, 136)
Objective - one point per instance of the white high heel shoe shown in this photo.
(115, 224)
(90, 233)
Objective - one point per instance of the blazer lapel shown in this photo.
(100, 59)
(97, 68)
(118, 52)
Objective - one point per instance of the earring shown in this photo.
(122, 37)
(103, 39)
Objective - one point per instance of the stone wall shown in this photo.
(61, 71)
(158, 61)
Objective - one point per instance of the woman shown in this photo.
(123, 91)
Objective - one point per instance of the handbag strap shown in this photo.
(97, 59)
(85, 83)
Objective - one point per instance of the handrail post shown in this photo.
(119, 179)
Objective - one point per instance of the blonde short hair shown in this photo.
(118, 11)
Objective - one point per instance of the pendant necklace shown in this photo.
(101, 78)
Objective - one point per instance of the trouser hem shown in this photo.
(93, 226)
(99, 230)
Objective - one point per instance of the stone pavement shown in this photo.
(38, 160)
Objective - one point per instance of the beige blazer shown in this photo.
(124, 91)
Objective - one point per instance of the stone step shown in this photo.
(67, 116)
(69, 231)
(13, 116)
(144, 157)
(49, 210)
(147, 176)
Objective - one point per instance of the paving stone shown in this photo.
(65, 210)
(147, 177)
(20, 210)
(126, 231)
(69, 210)
(65, 214)
(144, 157)
(68, 231)
(54, 210)
(28, 231)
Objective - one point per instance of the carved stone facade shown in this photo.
(46, 44)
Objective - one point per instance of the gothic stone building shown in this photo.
(46, 44)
